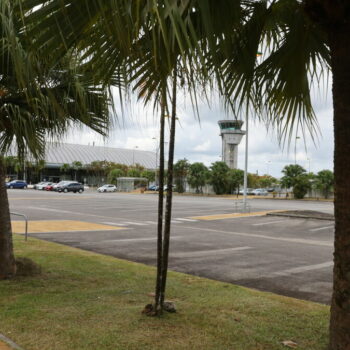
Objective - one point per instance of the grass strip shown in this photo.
(86, 301)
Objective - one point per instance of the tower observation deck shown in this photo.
(231, 134)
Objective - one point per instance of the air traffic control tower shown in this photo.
(231, 134)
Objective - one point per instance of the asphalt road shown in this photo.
(288, 256)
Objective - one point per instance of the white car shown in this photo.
(260, 192)
(42, 185)
(107, 188)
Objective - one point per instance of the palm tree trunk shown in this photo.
(160, 203)
(7, 260)
(340, 308)
(168, 208)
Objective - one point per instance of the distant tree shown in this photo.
(149, 175)
(138, 167)
(324, 181)
(76, 166)
(12, 163)
(301, 185)
(295, 176)
(133, 172)
(218, 177)
(65, 168)
(113, 175)
(198, 175)
(123, 167)
(180, 173)
(253, 180)
(234, 178)
(99, 168)
(39, 166)
(291, 173)
(267, 181)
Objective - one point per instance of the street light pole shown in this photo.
(295, 149)
(245, 183)
(267, 166)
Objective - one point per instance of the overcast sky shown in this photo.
(199, 141)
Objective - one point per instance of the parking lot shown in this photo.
(289, 256)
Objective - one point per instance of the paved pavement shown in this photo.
(289, 256)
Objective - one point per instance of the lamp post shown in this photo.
(295, 149)
(267, 166)
(245, 182)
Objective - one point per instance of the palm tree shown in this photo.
(65, 168)
(143, 51)
(76, 166)
(300, 40)
(39, 167)
(37, 101)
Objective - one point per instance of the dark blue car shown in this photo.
(17, 184)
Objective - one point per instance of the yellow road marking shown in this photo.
(232, 215)
(40, 226)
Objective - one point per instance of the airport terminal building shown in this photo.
(57, 154)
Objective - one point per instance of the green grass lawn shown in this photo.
(90, 301)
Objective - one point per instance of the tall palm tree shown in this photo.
(300, 40)
(143, 49)
(37, 101)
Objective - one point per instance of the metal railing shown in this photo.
(26, 223)
(242, 206)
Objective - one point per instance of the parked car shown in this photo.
(39, 184)
(70, 187)
(260, 192)
(249, 191)
(107, 188)
(153, 188)
(49, 187)
(61, 183)
(42, 185)
(16, 184)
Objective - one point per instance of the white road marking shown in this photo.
(113, 223)
(189, 220)
(207, 252)
(176, 222)
(136, 223)
(321, 228)
(268, 223)
(252, 235)
(303, 269)
(151, 222)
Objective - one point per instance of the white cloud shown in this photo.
(204, 147)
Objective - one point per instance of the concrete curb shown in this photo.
(9, 342)
(301, 216)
